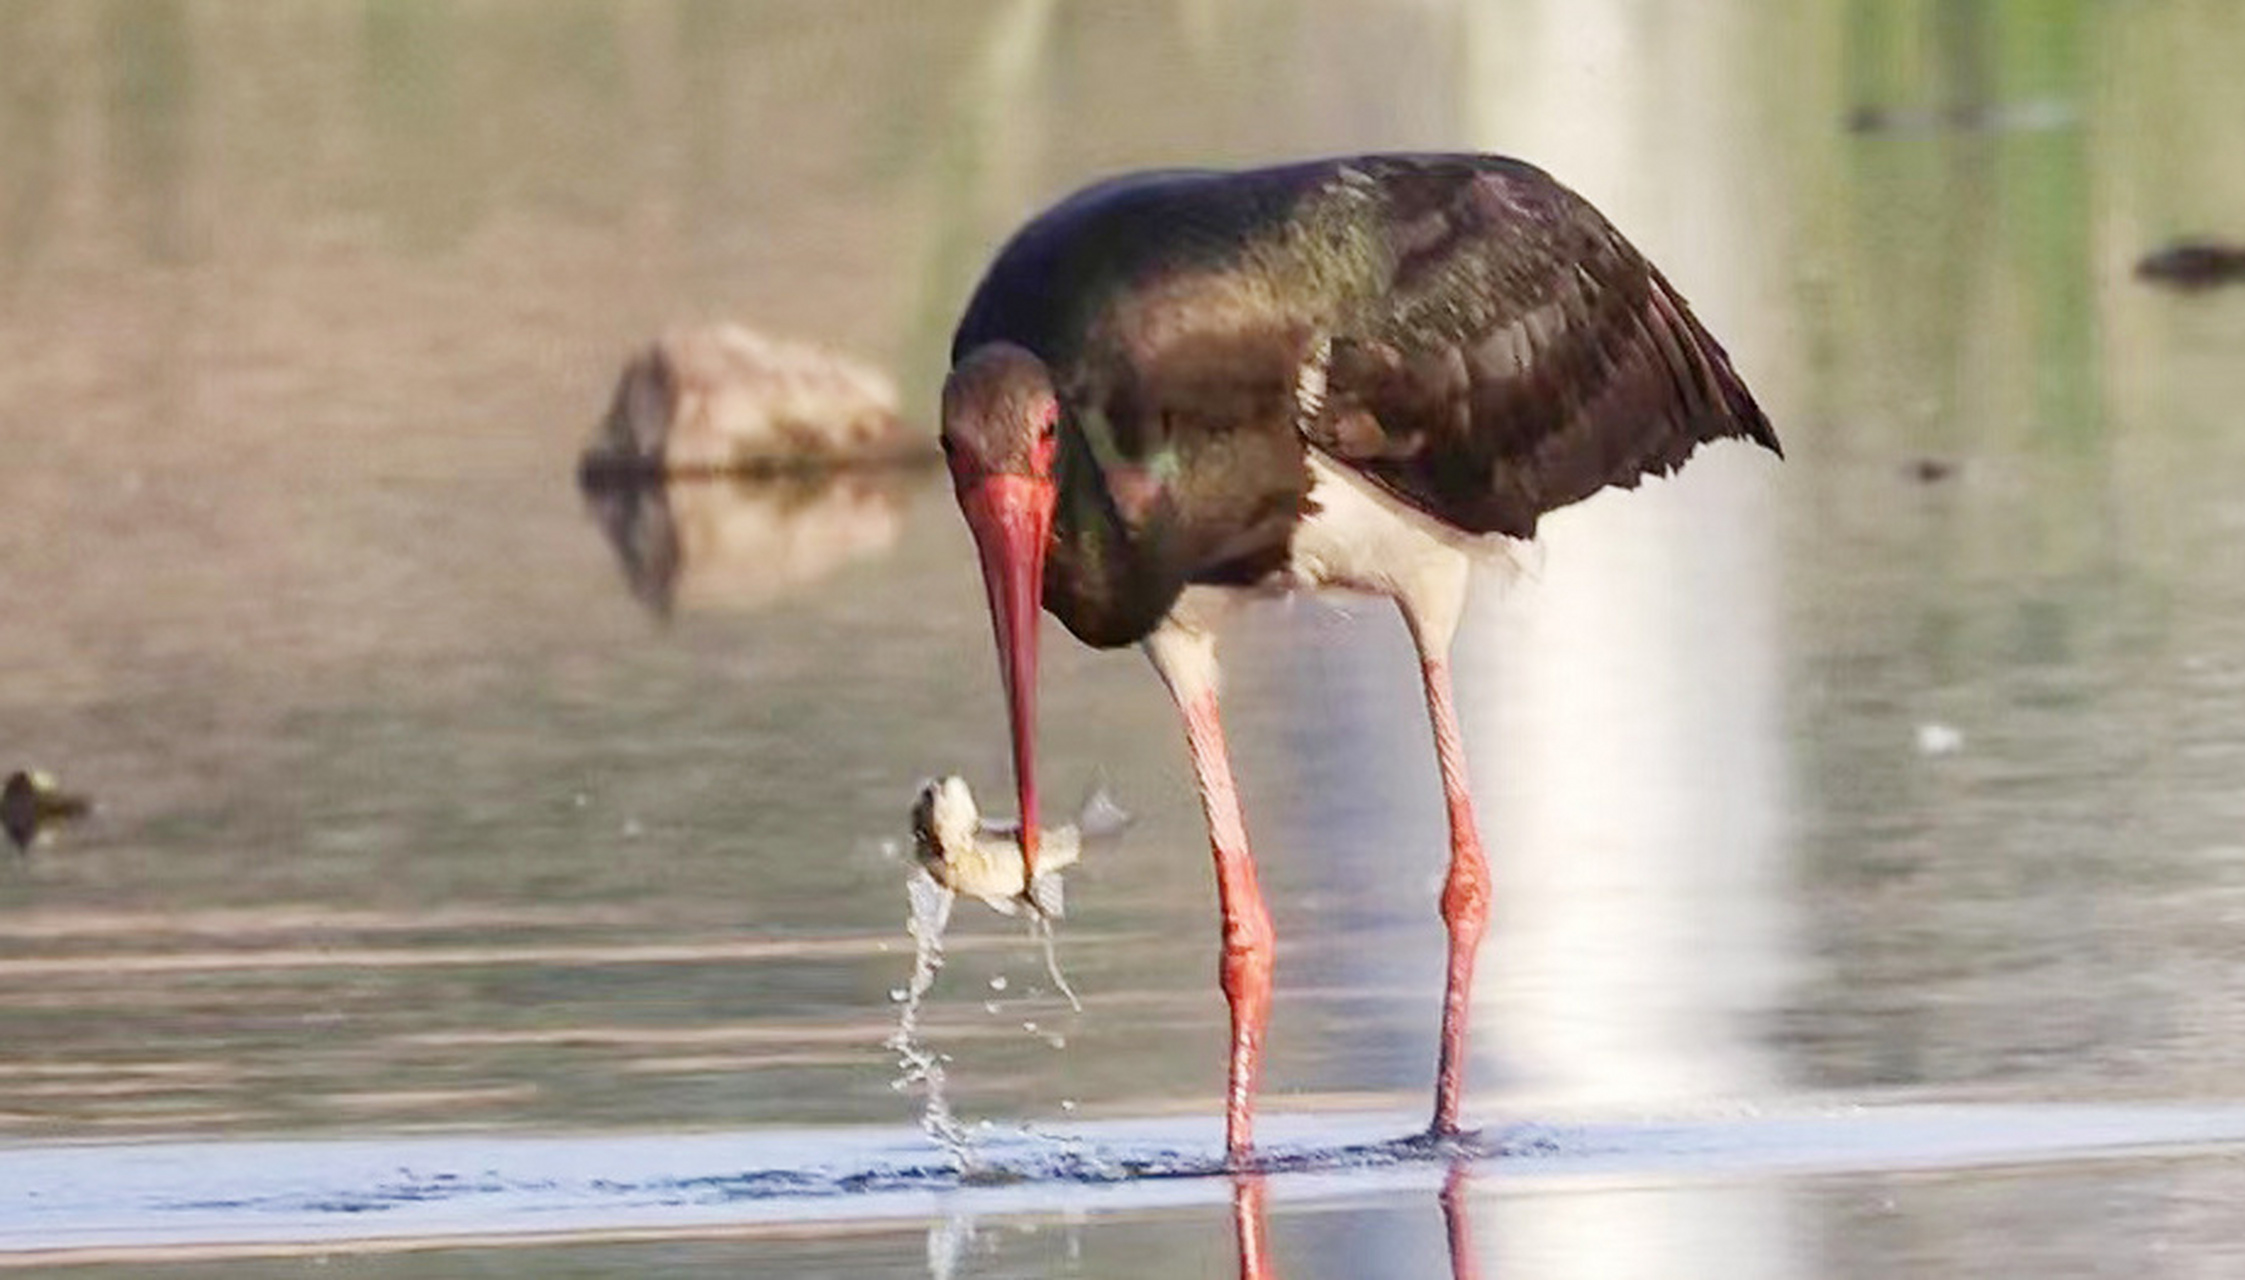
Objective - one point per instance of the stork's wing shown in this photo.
(1521, 356)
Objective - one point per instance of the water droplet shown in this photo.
(898, 995)
(989, 1006)
(1029, 1027)
(1067, 1104)
(998, 983)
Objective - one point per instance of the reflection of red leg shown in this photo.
(1465, 896)
(1250, 1220)
(1464, 1265)
(1248, 940)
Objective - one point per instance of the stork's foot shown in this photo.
(1441, 1140)
(1447, 1142)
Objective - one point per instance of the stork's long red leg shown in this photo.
(1186, 658)
(1248, 946)
(1465, 895)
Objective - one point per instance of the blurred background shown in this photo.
(1908, 768)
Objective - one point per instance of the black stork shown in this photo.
(1349, 374)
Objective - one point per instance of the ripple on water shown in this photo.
(241, 1195)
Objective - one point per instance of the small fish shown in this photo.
(30, 800)
(982, 859)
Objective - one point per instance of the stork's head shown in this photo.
(1000, 436)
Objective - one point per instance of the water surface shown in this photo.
(1903, 772)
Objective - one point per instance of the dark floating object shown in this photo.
(30, 801)
(723, 400)
(2194, 264)
(1929, 470)
(2032, 115)
(1337, 374)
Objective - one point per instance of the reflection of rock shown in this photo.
(30, 800)
(735, 543)
(2195, 264)
(722, 399)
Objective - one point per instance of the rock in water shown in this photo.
(723, 399)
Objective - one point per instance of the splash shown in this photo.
(1040, 928)
(918, 1066)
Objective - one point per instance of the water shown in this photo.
(292, 1199)
(417, 824)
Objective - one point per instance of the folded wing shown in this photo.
(1522, 355)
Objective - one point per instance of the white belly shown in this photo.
(1362, 539)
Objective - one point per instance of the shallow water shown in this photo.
(1905, 772)
(291, 1200)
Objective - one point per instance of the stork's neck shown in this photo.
(1110, 574)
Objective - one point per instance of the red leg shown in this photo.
(1248, 939)
(1465, 897)
(1249, 1226)
(1464, 1263)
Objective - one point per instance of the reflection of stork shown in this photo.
(1336, 374)
(1251, 1229)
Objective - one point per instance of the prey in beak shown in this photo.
(979, 858)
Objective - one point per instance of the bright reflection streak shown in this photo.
(1628, 691)
(1626, 696)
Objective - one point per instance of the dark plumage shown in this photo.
(1490, 348)
(1331, 374)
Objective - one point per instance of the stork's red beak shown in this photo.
(1011, 516)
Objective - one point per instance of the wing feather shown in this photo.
(1520, 356)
